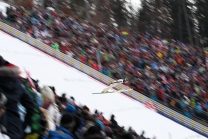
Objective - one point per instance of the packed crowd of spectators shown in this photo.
(28, 111)
(165, 70)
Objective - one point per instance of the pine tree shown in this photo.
(28, 4)
(48, 3)
(161, 17)
(120, 13)
(154, 18)
(102, 12)
(179, 26)
(144, 17)
(175, 11)
(202, 18)
(188, 20)
(133, 18)
(78, 7)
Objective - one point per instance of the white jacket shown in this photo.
(2, 136)
(52, 113)
(53, 117)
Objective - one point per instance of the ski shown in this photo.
(104, 93)
(118, 91)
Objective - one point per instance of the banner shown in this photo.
(32, 85)
(150, 106)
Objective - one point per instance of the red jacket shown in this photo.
(82, 59)
(64, 49)
(161, 94)
(95, 66)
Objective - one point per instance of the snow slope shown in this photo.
(128, 112)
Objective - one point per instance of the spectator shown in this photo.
(114, 123)
(12, 88)
(93, 133)
(3, 101)
(70, 109)
(55, 45)
(63, 99)
(198, 108)
(97, 120)
(50, 108)
(183, 103)
(77, 122)
(142, 135)
(179, 69)
(64, 131)
(187, 113)
(127, 136)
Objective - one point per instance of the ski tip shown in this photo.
(96, 93)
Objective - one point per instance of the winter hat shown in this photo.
(127, 136)
(48, 93)
(72, 98)
(3, 99)
(96, 111)
(58, 103)
(68, 120)
(93, 130)
(70, 109)
(112, 116)
(86, 108)
(71, 101)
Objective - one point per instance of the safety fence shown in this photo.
(189, 123)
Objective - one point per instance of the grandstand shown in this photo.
(51, 71)
(186, 109)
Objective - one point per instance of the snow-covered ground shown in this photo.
(71, 81)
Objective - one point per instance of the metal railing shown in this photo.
(162, 109)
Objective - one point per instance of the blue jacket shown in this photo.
(101, 124)
(206, 106)
(153, 97)
(182, 104)
(199, 109)
(70, 108)
(188, 114)
(105, 71)
(154, 66)
(61, 133)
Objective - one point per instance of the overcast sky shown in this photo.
(135, 2)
